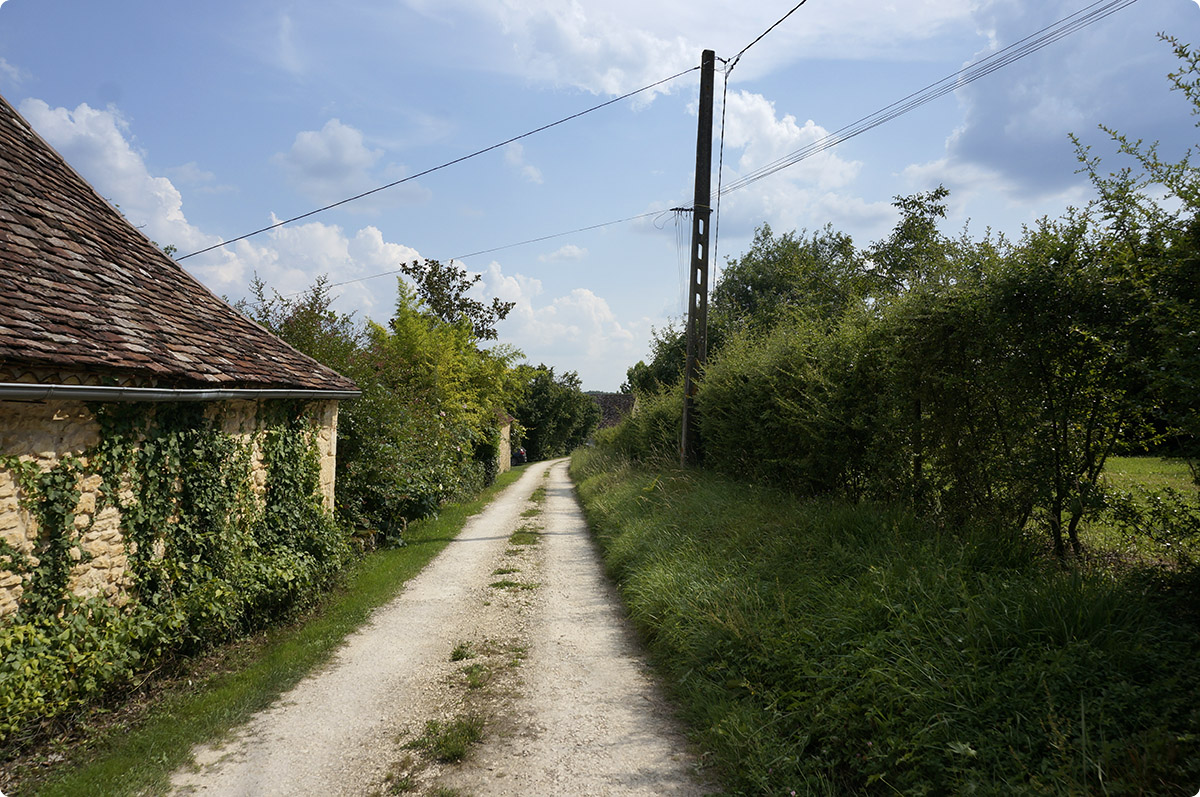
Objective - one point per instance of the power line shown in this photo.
(729, 65)
(510, 246)
(442, 166)
(763, 35)
(985, 66)
(1073, 23)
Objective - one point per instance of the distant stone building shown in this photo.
(92, 313)
(614, 407)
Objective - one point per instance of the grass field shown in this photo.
(826, 648)
(1153, 473)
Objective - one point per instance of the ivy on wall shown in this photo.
(209, 556)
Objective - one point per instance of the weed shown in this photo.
(526, 535)
(505, 571)
(531, 512)
(518, 653)
(452, 740)
(138, 757)
(462, 651)
(509, 584)
(477, 675)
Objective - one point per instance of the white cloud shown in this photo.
(9, 73)
(1016, 125)
(615, 46)
(329, 163)
(752, 126)
(568, 252)
(197, 179)
(286, 51)
(579, 327)
(289, 259)
(808, 194)
(334, 163)
(514, 156)
(96, 143)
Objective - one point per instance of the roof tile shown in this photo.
(80, 288)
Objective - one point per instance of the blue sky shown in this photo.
(204, 121)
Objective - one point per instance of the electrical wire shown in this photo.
(1024, 47)
(729, 65)
(1027, 46)
(763, 35)
(442, 166)
(716, 227)
(985, 66)
(510, 246)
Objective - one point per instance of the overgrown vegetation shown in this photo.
(968, 379)
(940, 581)
(427, 427)
(134, 752)
(210, 556)
(831, 648)
(209, 559)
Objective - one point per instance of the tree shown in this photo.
(443, 287)
(555, 413)
(665, 369)
(1158, 247)
(819, 276)
(428, 412)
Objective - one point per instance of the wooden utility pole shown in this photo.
(697, 324)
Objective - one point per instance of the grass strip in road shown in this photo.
(141, 758)
(450, 741)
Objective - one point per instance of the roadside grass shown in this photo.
(826, 648)
(476, 675)
(139, 758)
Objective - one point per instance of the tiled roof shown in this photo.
(614, 407)
(83, 290)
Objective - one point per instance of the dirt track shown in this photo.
(552, 666)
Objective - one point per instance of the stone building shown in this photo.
(93, 313)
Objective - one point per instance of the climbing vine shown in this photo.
(212, 552)
(51, 497)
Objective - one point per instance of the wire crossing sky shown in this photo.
(200, 121)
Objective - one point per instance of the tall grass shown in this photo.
(830, 648)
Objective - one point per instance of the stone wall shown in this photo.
(504, 450)
(46, 431)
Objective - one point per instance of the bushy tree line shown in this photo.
(555, 414)
(969, 377)
(434, 399)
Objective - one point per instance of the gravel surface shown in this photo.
(545, 657)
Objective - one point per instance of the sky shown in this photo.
(206, 121)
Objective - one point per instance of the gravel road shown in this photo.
(521, 632)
